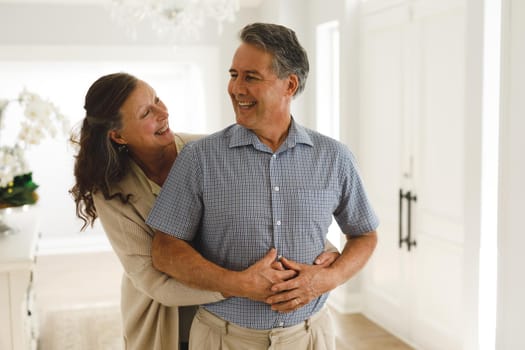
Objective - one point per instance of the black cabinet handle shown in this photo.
(408, 239)
(401, 196)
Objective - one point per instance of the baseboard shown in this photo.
(73, 244)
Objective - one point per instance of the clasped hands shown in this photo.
(285, 284)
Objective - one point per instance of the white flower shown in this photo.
(41, 118)
(37, 110)
(31, 134)
(12, 163)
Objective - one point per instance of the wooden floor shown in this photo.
(99, 328)
(356, 332)
(78, 307)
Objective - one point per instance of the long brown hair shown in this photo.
(100, 163)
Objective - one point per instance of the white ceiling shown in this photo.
(243, 3)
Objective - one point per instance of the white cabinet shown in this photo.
(17, 256)
(412, 96)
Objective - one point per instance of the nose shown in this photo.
(161, 111)
(237, 87)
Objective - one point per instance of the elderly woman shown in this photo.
(126, 150)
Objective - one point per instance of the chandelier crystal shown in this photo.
(173, 20)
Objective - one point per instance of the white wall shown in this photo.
(511, 238)
(82, 32)
(473, 112)
(85, 43)
(32, 35)
(51, 32)
(229, 43)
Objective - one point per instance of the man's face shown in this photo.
(259, 98)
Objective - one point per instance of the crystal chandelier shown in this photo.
(174, 20)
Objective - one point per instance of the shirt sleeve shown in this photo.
(354, 215)
(131, 240)
(178, 208)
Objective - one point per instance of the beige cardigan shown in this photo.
(150, 299)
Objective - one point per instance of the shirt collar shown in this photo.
(240, 136)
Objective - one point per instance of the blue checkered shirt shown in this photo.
(236, 198)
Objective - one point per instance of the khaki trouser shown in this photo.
(209, 332)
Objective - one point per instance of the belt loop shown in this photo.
(226, 327)
(307, 324)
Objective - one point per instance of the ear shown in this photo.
(293, 84)
(116, 137)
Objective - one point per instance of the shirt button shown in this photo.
(274, 156)
(278, 222)
(276, 188)
(281, 324)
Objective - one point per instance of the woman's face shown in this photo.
(144, 120)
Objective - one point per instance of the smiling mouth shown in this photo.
(246, 104)
(163, 131)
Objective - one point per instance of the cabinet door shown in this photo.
(5, 312)
(438, 175)
(411, 138)
(383, 124)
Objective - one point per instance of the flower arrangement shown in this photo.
(41, 118)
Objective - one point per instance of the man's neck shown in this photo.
(274, 135)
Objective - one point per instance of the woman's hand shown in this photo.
(326, 258)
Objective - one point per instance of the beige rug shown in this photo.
(93, 328)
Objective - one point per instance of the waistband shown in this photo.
(226, 327)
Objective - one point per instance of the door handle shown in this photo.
(400, 212)
(408, 239)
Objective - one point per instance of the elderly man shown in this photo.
(263, 184)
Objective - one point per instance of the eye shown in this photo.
(233, 75)
(251, 78)
(157, 100)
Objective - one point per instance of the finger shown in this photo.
(276, 265)
(326, 258)
(321, 259)
(287, 285)
(282, 297)
(271, 255)
(284, 276)
(288, 306)
(290, 264)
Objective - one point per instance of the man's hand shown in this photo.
(256, 281)
(311, 281)
(303, 291)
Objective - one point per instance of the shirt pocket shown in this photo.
(313, 205)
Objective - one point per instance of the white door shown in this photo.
(412, 82)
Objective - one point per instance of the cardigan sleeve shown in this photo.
(131, 240)
(330, 248)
